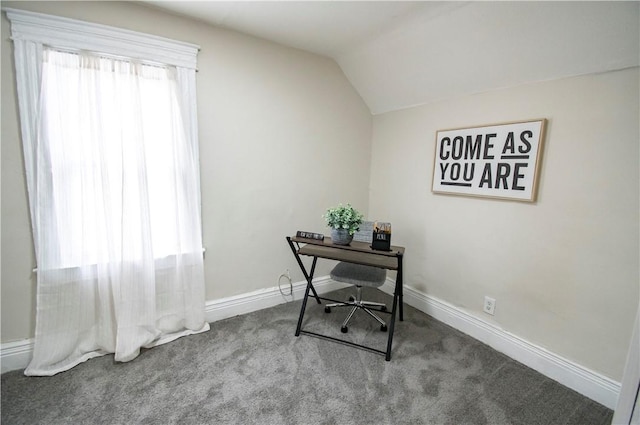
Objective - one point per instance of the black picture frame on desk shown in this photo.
(381, 241)
(357, 253)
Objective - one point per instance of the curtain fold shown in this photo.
(111, 156)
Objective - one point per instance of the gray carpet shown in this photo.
(251, 369)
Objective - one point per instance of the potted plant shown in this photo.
(344, 222)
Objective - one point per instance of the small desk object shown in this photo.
(358, 253)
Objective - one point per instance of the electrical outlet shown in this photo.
(489, 305)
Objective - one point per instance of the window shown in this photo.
(109, 132)
(112, 130)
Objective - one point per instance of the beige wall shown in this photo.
(563, 270)
(283, 136)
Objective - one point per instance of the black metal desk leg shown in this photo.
(401, 286)
(306, 296)
(397, 296)
(308, 277)
(392, 324)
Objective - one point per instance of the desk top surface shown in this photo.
(355, 252)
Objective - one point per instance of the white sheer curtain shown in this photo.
(111, 158)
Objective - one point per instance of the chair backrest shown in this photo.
(357, 274)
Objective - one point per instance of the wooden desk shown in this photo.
(358, 253)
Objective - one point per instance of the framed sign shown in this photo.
(497, 161)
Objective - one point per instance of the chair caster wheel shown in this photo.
(327, 309)
(351, 299)
(344, 329)
(383, 308)
(383, 328)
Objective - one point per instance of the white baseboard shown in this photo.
(587, 382)
(253, 301)
(16, 355)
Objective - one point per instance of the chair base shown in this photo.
(359, 304)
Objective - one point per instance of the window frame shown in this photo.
(65, 33)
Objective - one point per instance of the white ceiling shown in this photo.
(399, 54)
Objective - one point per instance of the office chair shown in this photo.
(359, 275)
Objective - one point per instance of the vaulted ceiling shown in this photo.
(399, 54)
